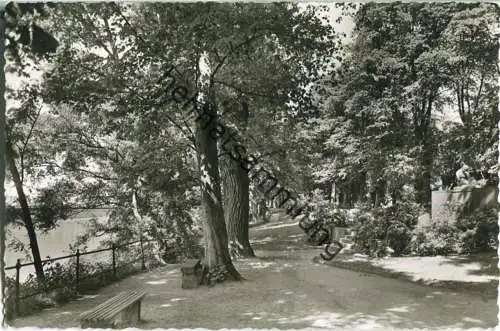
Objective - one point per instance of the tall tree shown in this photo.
(290, 59)
(20, 19)
(26, 213)
(236, 189)
(234, 38)
(395, 81)
(471, 86)
(277, 49)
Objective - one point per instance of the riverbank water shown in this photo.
(55, 242)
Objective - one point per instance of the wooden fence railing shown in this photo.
(114, 267)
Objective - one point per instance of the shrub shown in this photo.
(216, 275)
(398, 237)
(318, 236)
(479, 230)
(368, 231)
(340, 217)
(466, 241)
(470, 234)
(438, 236)
(60, 279)
(387, 226)
(434, 240)
(175, 253)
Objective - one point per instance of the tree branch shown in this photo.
(111, 40)
(25, 144)
(476, 101)
(88, 21)
(93, 174)
(232, 50)
(241, 91)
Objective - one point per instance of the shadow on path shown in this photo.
(284, 289)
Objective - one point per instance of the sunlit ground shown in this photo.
(284, 289)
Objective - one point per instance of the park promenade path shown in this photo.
(284, 289)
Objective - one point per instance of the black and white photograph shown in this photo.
(249, 165)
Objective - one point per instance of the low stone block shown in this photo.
(192, 271)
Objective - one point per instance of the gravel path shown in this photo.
(284, 289)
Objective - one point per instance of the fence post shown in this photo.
(77, 270)
(18, 268)
(113, 247)
(143, 264)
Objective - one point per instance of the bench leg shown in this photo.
(138, 311)
(132, 314)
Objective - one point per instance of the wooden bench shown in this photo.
(192, 272)
(123, 309)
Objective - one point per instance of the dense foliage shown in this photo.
(390, 225)
(360, 129)
(411, 103)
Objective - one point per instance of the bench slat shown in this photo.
(129, 301)
(113, 306)
(95, 312)
(99, 312)
(90, 313)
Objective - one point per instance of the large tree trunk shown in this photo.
(217, 251)
(26, 215)
(236, 185)
(424, 179)
(236, 206)
(423, 133)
